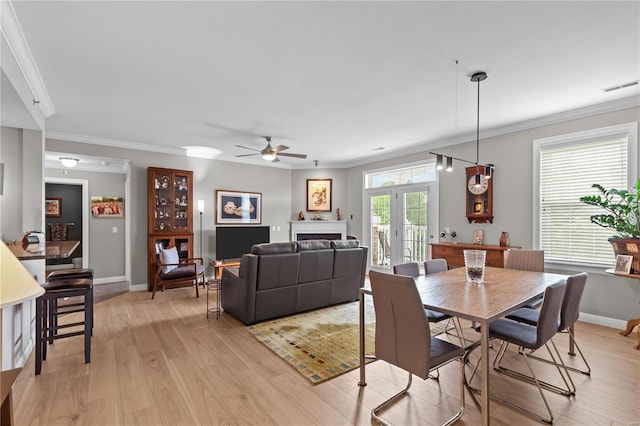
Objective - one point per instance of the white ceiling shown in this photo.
(334, 80)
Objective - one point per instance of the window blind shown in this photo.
(567, 172)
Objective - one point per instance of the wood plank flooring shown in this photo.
(162, 362)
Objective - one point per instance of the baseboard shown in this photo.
(138, 287)
(604, 321)
(109, 280)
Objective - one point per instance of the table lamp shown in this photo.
(16, 283)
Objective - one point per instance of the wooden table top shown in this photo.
(503, 291)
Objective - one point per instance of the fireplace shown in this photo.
(318, 229)
(319, 236)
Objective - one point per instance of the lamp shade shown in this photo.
(201, 206)
(16, 283)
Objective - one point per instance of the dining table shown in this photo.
(503, 291)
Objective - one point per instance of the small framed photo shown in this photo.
(319, 195)
(623, 264)
(53, 206)
(478, 236)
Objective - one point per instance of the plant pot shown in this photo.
(629, 247)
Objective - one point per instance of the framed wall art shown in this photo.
(238, 207)
(107, 206)
(478, 236)
(319, 193)
(53, 206)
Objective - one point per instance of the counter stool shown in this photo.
(76, 283)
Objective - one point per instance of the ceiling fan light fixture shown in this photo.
(68, 161)
(269, 155)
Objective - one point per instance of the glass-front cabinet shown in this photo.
(170, 195)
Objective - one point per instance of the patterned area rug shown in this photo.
(319, 344)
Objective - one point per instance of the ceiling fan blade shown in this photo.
(280, 148)
(247, 155)
(293, 155)
(246, 147)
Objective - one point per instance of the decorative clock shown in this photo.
(479, 197)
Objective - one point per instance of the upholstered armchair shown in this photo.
(170, 269)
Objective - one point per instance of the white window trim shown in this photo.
(630, 130)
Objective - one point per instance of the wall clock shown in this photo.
(479, 198)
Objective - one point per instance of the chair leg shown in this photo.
(586, 372)
(570, 388)
(388, 402)
(40, 316)
(88, 324)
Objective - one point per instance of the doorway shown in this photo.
(70, 223)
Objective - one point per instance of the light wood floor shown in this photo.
(162, 362)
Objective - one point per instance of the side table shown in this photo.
(633, 322)
(214, 285)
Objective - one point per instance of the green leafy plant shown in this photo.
(623, 210)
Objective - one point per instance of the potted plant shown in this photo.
(622, 215)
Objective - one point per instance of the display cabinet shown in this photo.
(170, 215)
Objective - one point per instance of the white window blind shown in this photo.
(567, 172)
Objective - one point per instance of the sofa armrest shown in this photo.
(239, 289)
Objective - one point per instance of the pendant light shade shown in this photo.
(449, 164)
(439, 162)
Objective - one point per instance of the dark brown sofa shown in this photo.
(278, 279)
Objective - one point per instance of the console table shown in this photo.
(632, 323)
(219, 266)
(453, 253)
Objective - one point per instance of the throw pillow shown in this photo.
(169, 255)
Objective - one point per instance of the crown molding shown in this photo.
(72, 137)
(13, 35)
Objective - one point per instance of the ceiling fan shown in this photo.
(269, 153)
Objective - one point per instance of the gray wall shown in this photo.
(605, 295)
(284, 193)
(208, 175)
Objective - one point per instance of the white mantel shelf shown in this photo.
(318, 227)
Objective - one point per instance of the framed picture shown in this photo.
(238, 207)
(623, 264)
(319, 195)
(107, 206)
(53, 206)
(478, 236)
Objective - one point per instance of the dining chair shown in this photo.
(526, 260)
(531, 337)
(435, 265)
(412, 269)
(569, 314)
(403, 338)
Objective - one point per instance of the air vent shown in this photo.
(621, 86)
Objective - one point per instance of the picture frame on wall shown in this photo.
(238, 207)
(53, 206)
(107, 206)
(319, 195)
(623, 264)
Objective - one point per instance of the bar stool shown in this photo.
(62, 284)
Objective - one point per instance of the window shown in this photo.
(567, 167)
(402, 176)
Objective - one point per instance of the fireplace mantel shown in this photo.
(318, 227)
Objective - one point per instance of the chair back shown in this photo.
(402, 327)
(525, 260)
(571, 304)
(411, 269)
(550, 312)
(435, 265)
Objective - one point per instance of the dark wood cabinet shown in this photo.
(170, 215)
(453, 253)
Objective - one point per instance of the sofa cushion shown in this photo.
(348, 262)
(307, 245)
(273, 248)
(278, 270)
(315, 265)
(345, 244)
(169, 255)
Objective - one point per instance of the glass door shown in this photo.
(402, 222)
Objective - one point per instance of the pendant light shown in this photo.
(487, 168)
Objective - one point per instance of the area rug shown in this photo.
(319, 344)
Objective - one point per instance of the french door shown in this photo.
(402, 220)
